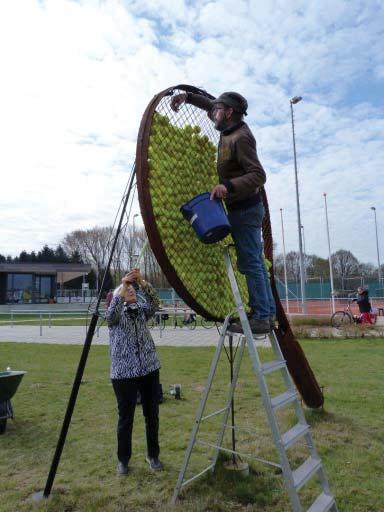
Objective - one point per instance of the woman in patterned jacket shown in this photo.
(134, 365)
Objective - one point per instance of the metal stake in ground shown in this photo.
(83, 360)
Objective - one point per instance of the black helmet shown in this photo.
(233, 100)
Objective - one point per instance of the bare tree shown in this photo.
(149, 265)
(92, 245)
(293, 265)
(367, 270)
(345, 265)
(278, 266)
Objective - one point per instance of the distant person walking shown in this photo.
(134, 365)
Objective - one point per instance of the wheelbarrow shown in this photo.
(9, 382)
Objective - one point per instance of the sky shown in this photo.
(78, 75)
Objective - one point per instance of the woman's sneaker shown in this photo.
(122, 469)
(154, 463)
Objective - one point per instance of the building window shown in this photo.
(20, 288)
(43, 287)
(29, 288)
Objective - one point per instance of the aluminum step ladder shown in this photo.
(294, 479)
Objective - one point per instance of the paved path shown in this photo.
(181, 337)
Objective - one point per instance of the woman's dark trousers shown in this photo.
(126, 395)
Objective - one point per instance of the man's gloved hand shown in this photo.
(177, 101)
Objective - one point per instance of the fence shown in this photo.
(318, 295)
(322, 288)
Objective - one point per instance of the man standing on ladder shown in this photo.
(241, 177)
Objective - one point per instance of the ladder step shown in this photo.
(323, 503)
(272, 366)
(295, 433)
(220, 411)
(304, 472)
(283, 399)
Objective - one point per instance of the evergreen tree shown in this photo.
(75, 257)
(46, 255)
(60, 255)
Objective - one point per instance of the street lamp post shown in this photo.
(329, 255)
(293, 101)
(377, 247)
(285, 264)
(304, 256)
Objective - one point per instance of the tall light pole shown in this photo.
(377, 247)
(285, 264)
(329, 255)
(304, 256)
(302, 229)
(293, 101)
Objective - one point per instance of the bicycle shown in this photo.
(189, 322)
(345, 317)
(207, 324)
(158, 321)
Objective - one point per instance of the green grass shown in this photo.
(315, 320)
(348, 433)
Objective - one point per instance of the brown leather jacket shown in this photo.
(238, 166)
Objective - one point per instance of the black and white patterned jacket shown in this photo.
(131, 346)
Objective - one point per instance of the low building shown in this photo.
(36, 283)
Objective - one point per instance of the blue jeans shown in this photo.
(246, 233)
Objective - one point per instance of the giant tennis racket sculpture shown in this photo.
(176, 160)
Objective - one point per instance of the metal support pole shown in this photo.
(329, 255)
(302, 279)
(83, 359)
(285, 263)
(70, 408)
(232, 401)
(377, 248)
(304, 255)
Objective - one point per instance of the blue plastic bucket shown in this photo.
(207, 217)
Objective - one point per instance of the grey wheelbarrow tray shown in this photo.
(9, 382)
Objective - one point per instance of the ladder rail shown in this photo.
(195, 477)
(256, 364)
(294, 479)
(230, 397)
(301, 417)
(235, 452)
(200, 412)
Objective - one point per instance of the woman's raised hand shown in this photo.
(133, 276)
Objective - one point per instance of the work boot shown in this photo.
(260, 326)
(236, 320)
(154, 463)
(257, 327)
(122, 469)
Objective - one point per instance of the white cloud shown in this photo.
(77, 76)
